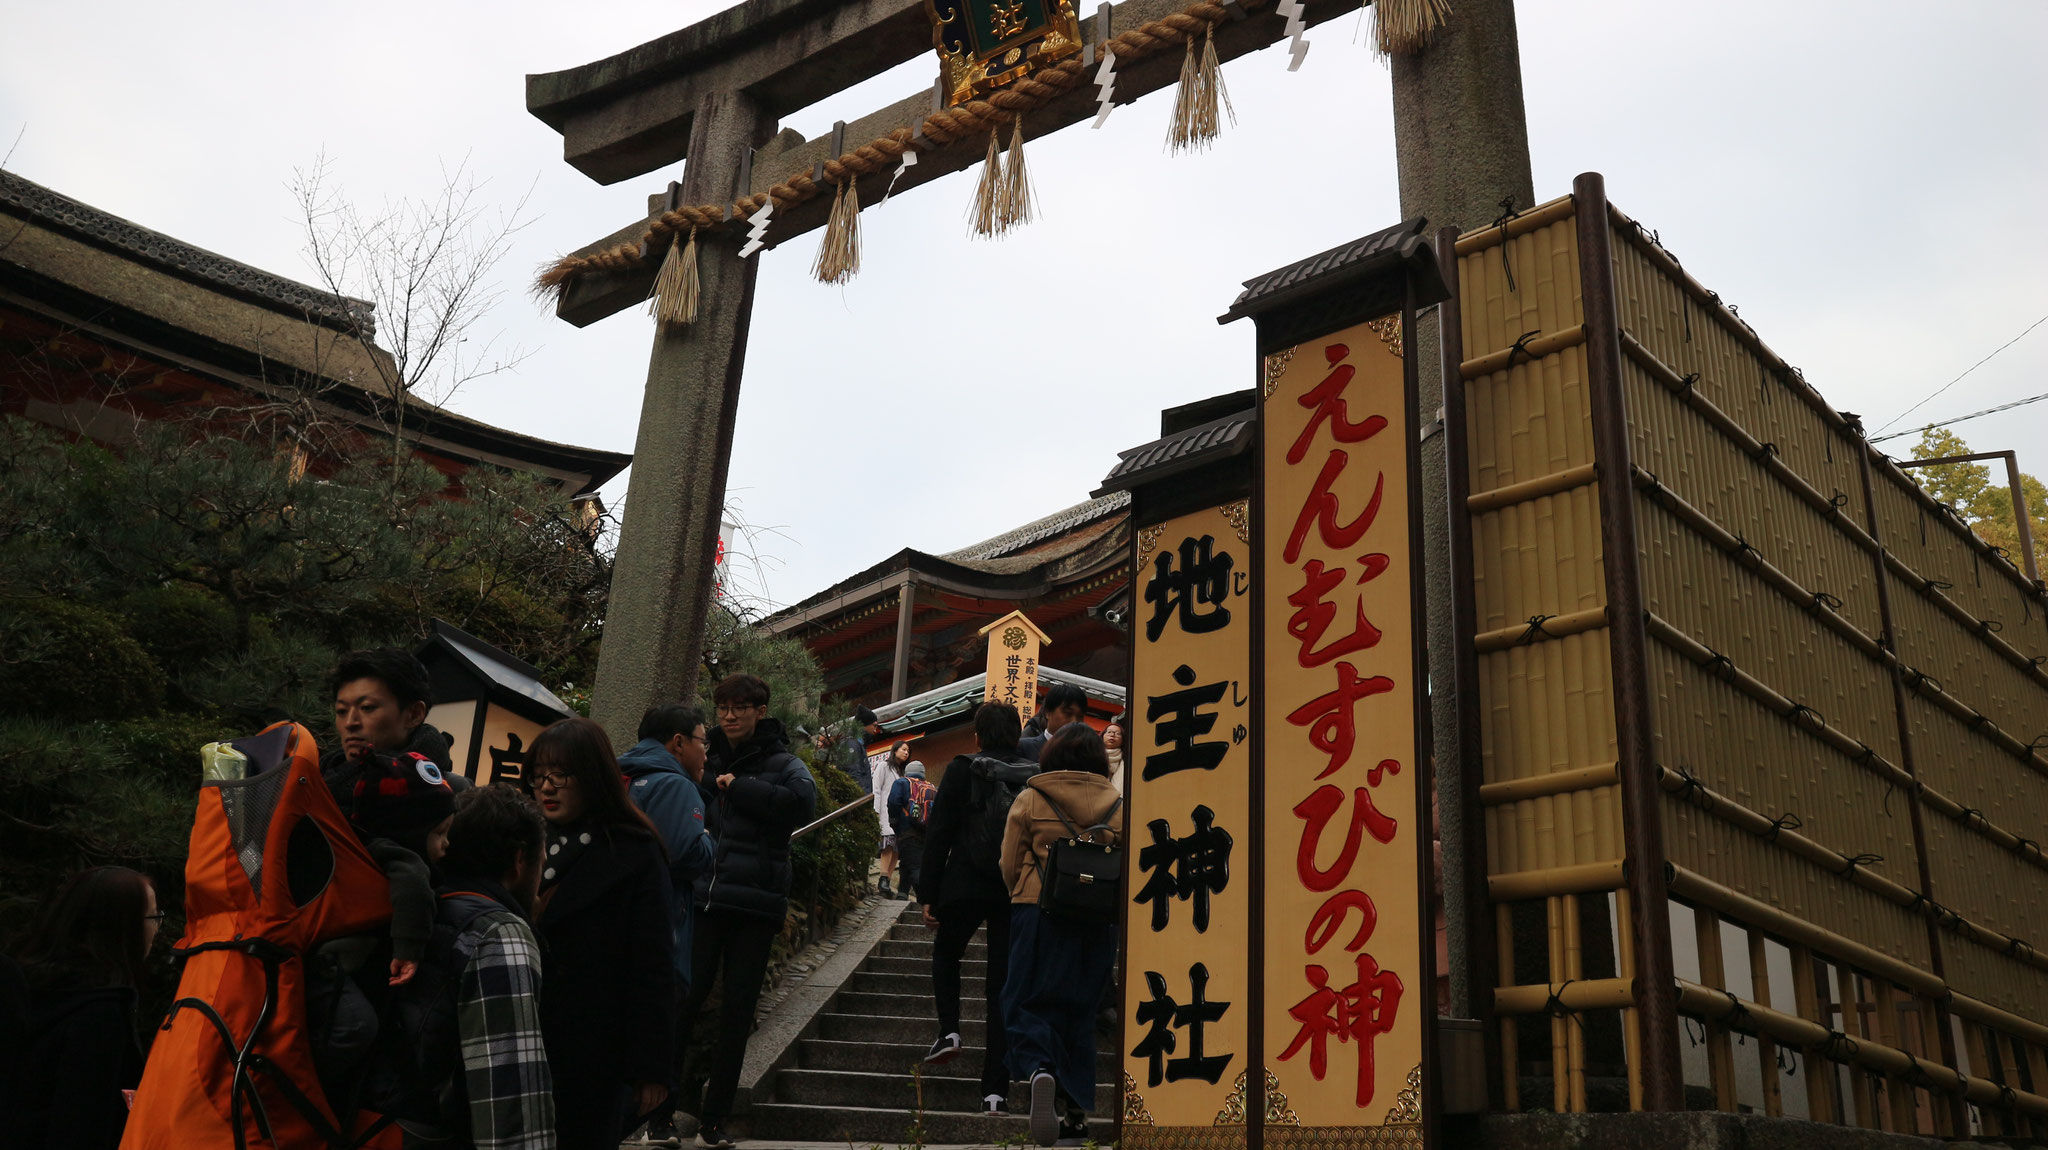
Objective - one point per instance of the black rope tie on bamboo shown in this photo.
(1507, 212)
(1692, 790)
(2019, 948)
(1520, 348)
(1839, 1047)
(1738, 1017)
(1933, 584)
(1690, 383)
(1837, 501)
(1764, 450)
(2026, 844)
(1718, 665)
(1972, 814)
(1823, 599)
(1534, 629)
(1653, 487)
(1687, 1021)
(1798, 711)
(1744, 549)
(1554, 1005)
(1850, 864)
(1786, 1063)
(1785, 822)
(1990, 626)
(1979, 720)
(2007, 1098)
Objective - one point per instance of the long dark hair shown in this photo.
(89, 934)
(580, 749)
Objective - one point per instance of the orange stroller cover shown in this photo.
(274, 871)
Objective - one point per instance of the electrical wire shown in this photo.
(1961, 418)
(1959, 379)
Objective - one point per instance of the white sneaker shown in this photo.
(1045, 1119)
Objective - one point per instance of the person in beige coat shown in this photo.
(1059, 967)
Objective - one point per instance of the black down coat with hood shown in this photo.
(772, 794)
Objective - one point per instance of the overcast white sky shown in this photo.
(1864, 179)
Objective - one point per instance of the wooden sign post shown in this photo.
(1013, 645)
(1344, 974)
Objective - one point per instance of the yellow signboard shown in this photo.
(1013, 645)
(1187, 960)
(1346, 986)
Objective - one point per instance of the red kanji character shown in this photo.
(1320, 508)
(1316, 810)
(1329, 918)
(1329, 719)
(1312, 617)
(1362, 1011)
(1326, 400)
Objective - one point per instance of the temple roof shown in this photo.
(194, 264)
(923, 710)
(102, 277)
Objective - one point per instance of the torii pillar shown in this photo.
(662, 572)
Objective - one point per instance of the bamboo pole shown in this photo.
(1713, 974)
(1560, 1022)
(1480, 502)
(1553, 627)
(1555, 881)
(1510, 1050)
(1535, 219)
(1554, 783)
(1631, 1018)
(1823, 1098)
(1871, 1055)
(1481, 366)
(1766, 1049)
(1575, 1036)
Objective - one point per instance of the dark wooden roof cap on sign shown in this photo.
(1366, 277)
(462, 666)
(1172, 455)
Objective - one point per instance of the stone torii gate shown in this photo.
(712, 94)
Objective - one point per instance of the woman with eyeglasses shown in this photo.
(69, 1055)
(603, 915)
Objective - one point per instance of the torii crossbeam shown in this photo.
(712, 94)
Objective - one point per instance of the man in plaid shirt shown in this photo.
(503, 1098)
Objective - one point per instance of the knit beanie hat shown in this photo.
(401, 797)
(915, 770)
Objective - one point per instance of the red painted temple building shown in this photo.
(105, 324)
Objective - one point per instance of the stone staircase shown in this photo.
(851, 1080)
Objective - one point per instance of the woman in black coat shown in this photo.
(68, 1050)
(608, 973)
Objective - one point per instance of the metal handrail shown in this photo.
(863, 801)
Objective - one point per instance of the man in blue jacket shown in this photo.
(662, 771)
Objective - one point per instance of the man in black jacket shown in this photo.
(757, 793)
(961, 887)
(1064, 703)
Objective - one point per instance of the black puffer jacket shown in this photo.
(772, 794)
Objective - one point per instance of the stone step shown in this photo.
(848, 1088)
(918, 932)
(905, 1005)
(918, 984)
(869, 1028)
(867, 1126)
(897, 1058)
(920, 965)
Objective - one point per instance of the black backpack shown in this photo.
(996, 784)
(1081, 880)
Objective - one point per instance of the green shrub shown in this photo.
(180, 626)
(67, 660)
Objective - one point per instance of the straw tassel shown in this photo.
(988, 195)
(1405, 27)
(676, 286)
(1201, 102)
(1016, 205)
(839, 254)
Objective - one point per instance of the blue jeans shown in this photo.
(1058, 969)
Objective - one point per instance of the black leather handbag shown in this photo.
(1082, 880)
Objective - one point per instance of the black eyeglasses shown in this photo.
(555, 780)
(157, 917)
